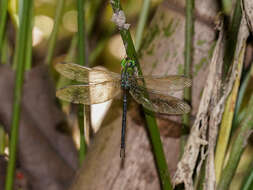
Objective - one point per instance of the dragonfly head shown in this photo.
(128, 70)
(128, 65)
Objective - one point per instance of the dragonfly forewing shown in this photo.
(90, 93)
(84, 74)
(164, 84)
(159, 103)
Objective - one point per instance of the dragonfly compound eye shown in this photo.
(131, 63)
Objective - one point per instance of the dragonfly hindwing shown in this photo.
(159, 103)
(90, 93)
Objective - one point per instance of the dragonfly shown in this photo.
(154, 92)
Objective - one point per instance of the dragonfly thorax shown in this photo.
(125, 82)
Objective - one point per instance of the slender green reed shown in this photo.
(240, 107)
(28, 56)
(71, 55)
(20, 59)
(141, 24)
(228, 115)
(82, 61)
(248, 181)
(81, 123)
(5, 51)
(72, 50)
(2, 139)
(189, 29)
(232, 38)
(53, 36)
(227, 6)
(3, 15)
(92, 14)
(237, 148)
(97, 51)
(188, 48)
(150, 119)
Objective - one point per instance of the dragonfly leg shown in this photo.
(123, 130)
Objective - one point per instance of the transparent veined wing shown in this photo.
(164, 84)
(90, 93)
(85, 74)
(159, 103)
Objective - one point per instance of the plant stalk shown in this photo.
(53, 36)
(20, 55)
(3, 15)
(237, 148)
(189, 29)
(2, 139)
(227, 118)
(81, 61)
(141, 23)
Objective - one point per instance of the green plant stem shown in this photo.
(200, 179)
(227, 6)
(141, 23)
(81, 61)
(53, 36)
(232, 38)
(81, 33)
(158, 151)
(13, 12)
(248, 181)
(237, 148)
(189, 29)
(240, 104)
(3, 15)
(70, 57)
(81, 124)
(20, 59)
(92, 14)
(227, 118)
(72, 50)
(2, 140)
(5, 51)
(28, 56)
(225, 128)
(97, 51)
(150, 119)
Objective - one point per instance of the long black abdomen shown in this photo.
(123, 130)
